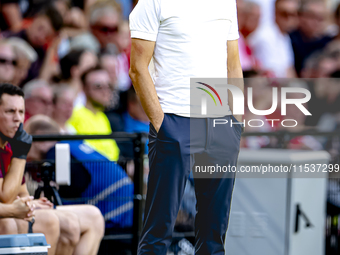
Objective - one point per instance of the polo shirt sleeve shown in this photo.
(145, 20)
(233, 32)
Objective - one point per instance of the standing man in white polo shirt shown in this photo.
(185, 39)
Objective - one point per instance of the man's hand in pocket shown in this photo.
(157, 123)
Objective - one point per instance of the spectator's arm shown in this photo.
(21, 208)
(50, 67)
(234, 71)
(12, 15)
(141, 54)
(11, 183)
(23, 192)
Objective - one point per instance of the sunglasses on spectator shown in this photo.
(287, 14)
(101, 87)
(106, 29)
(5, 61)
(315, 16)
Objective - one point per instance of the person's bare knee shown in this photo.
(47, 221)
(8, 227)
(22, 226)
(69, 228)
(90, 218)
(97, 218)
(92, 228)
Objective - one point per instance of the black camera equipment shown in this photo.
(47, 174)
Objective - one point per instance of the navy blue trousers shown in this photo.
(181, 145)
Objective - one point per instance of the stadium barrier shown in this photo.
(137, 144)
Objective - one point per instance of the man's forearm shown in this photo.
(11, 183)
(235, 73)
(140, 57)
(236, 79)
(146, 91)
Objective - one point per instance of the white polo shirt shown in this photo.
(191, 38)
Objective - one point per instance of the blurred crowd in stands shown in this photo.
(71, 58)
(292, 43)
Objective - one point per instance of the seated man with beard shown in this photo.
(91, 119)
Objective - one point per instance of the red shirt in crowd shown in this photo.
(5, 160)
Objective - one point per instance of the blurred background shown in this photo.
(71, 57)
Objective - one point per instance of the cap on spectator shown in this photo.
(23, 48)
(32, 86)
(103, 8)
(41, 123)
(85, 41)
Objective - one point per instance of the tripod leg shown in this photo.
(56, 196)
(37, 193)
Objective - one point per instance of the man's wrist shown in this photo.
(239, 118)
(8, 210)
(158, 121)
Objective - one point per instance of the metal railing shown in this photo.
(139, 142)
